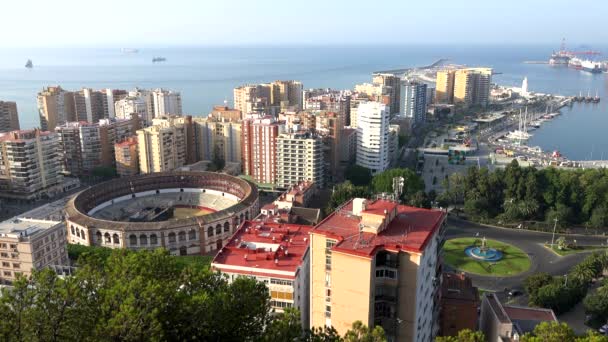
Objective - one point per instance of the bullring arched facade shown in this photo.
(187, 236)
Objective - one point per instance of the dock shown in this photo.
(406, 70)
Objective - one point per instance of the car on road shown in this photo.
(514, 292)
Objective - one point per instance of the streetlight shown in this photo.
(553, 236)
(565, 280)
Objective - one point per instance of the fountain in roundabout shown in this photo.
(483, 252)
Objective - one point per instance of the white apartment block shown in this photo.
(373, 143)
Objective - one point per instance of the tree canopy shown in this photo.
(516, 194)
(358, 175)
(148, 296)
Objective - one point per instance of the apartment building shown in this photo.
(28, 244)
(393, 84)
(55, 107)
(269, 98)
(444, 89)
(9, 118)
(30, 165)
(469, 86)
(166, 102)
(299, 158)
(413, 102)
(86, 146)
(127, 158)
(373, 136)
(259, 147)
(276, 254)
(472, 86)
(378, 262)
(162, 146)
(93, 105)
(218, 134)
(131, 106)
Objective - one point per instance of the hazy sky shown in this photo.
(136, 23)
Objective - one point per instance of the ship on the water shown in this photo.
(129, 50)
(591, 66)
(575, 63)
(158, 59)
(29, 64)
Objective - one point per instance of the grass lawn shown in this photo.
(574, 250)
(514, 260)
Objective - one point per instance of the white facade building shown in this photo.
(373, 136)
(166, 102)
(132, 105)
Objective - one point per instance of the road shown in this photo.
(530, 242)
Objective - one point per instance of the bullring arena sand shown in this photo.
(180, 212)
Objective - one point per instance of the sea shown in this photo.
(206, 76)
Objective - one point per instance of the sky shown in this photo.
(138, 23)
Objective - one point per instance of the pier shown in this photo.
(406, 70)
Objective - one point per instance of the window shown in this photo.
(181, 236)
(218, 229)
(192, 234)
(115, 238)
(153, 239)
(82, 235)
(383, 273)
(5, 264)
(210, 232)
(98, 236)
(16, 265)
(226, 227)
(143, 240)
(106, 237)
(328, 261)
(72, 228)
(275, 281)
(132, 240)
(327, 311)
(172, 237)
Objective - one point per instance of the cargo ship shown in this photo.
(158, 59)
(575, 63)
(591, 66)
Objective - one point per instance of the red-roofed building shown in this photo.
(276, 254)
(378, 262)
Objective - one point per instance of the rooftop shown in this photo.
(458, 286)
(399, 227)
(268, 248)
(18, 227)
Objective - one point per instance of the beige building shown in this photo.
(216, 134)
(444, 93)
(378, 262)
(28, 244)
(162, 147)
(393, 83)
(269, 98)
(55, 107)
(9, 118)
(86, 146)
(469, 86)
(127, 159)
(472, 86)
(30, 165)
(299, 158)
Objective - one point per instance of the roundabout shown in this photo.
(485, 257)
